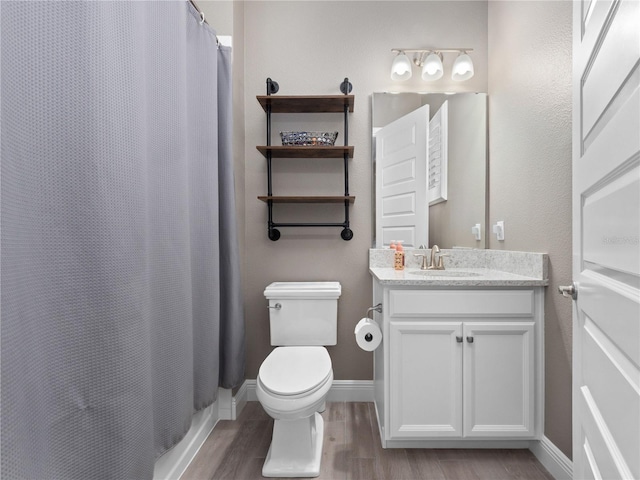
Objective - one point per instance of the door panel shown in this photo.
(596, 455)
(619, 324)
(499, 379)
(425, 379)
(594, 13)
(609, 65)
(606, 243)
(590, 468)
(613, 387)
(611, 220)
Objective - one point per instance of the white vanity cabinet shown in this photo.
(459, 365)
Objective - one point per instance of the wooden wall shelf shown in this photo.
(306, 103)
(305, 152)
(307, 198)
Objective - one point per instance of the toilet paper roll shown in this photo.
(368, 334)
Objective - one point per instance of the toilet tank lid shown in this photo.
(303, 290)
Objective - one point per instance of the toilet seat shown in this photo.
(293, 382)
(295, 371)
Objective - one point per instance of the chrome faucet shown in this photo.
(432, 265)
(435, 250)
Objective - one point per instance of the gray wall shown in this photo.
(309, 47)
(450, 222)
(530, 167)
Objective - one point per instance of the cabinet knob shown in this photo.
(469, 339)
(458, 339)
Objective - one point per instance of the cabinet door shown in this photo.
(425, 379)
(499, 379)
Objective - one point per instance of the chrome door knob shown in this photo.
(569, 291)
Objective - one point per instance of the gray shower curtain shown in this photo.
(121, 307)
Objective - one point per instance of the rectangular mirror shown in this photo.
(449, 188)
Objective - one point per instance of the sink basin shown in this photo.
(444, 273)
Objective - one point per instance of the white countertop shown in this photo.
(486, 268)
(479, 277)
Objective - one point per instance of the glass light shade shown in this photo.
(462, 68)
(401, 67)
(432, 67)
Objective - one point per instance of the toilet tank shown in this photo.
(308, 313)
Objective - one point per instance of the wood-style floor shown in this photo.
(236, 450)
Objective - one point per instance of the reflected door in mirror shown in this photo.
(401, 177)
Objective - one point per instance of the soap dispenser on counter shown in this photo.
(398, 259)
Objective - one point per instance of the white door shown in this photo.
(499, 368)
(401, 180)
(606, 245)
(425, 375)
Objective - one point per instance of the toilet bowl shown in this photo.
(292, 386)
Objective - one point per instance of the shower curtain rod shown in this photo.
(204, 20)
(195, 5)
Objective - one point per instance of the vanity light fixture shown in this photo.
(430, 62)
(432, 68)
(462, 67)
(401, 67)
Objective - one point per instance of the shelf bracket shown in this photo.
(346, 87)
(272, 86)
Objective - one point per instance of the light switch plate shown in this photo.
(476, 230)
(498, 229)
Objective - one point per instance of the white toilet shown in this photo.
(295, 378)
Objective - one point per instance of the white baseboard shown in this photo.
(341, 391)
(351, 391)
(231, 406)
(239, 400)
(225, 404)
(173, 463)
(550, 456)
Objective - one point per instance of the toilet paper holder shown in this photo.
(377, 308)
(370, 342)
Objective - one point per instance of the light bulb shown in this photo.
(462, 68)
(401, 67)
(432, 67)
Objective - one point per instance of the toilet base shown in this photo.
(296, 448)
